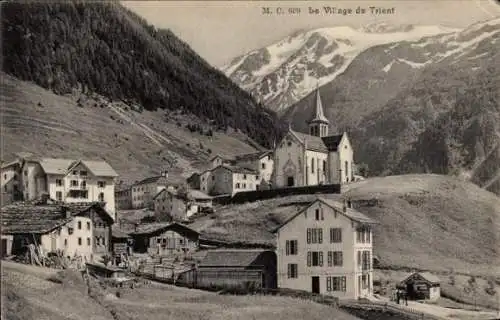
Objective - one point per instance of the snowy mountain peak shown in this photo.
(385, 27)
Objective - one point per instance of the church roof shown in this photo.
(324, 144)
(319, 115)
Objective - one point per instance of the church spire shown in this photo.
(318, 125)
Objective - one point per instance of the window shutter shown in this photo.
(309, 259)
(320, 231)
(329, 258)
(320, 259)
(308, 235)
(328, 283)
(287, 249)
(341, 258)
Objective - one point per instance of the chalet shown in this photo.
(165, 239)
(77, 230)
(421, 286)
(121, 245)
(233, 268)
(10, 182)
(168, 205)
(331, 231)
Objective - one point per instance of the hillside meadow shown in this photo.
(430, 222)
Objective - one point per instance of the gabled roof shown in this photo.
(19, 218)
(197, 194)
(322, 144)
(332, 142)
(61, 166)
(150, 228)
(230, 257)
(155, 179)
(251, 156)
(349, 213)
(236, 169)
(426, 275)
(11, 164)
(29, 217)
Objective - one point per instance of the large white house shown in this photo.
(315, 158)
(67, 180)
(326, 248)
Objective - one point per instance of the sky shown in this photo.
(222, 30)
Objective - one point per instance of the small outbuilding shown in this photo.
(421, 286)
(238, 267)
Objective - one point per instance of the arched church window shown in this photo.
(312, 165)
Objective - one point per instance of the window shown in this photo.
(335, 259)
(79, 225)
(88, 225)
(25, 172)
(84, 184)
(244, 177)
(244, 186)
(312, 165)
(59, 182)
(65, 242)
(324, 165)
(364, 280)
(314, 259)
(70, 230)
(257, 178)
(289, 143)
(314, 235)
(79, 241)
(5, 188)
(335, 235)
(75, 172)
(365, 259)
(58, 195)
(83, 173)
(74, 183)
(292, 271)
(101, 196)
(336, 284)
(101, 184)
(263, 165)
(363, 235)
(5, 176)
(237, 186)
(291, 247)
(88, 241)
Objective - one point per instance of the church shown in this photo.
(315, 158)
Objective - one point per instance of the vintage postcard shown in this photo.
(250, 160)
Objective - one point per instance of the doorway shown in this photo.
(4, 248)
(315, 284)
(290, 182)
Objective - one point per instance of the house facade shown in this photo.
(421, 286)
(10, 182)
(168, 205)
(123, 198)
(261, 162)
(326, 248)
(197, 202)
(232, 179)
(314, 158)
(144, 191)
(69, 181)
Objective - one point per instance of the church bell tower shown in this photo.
(318, 125)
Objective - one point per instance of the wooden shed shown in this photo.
(238, 267)
(421, 286)
(165, 239)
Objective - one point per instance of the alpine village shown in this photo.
(139, 182)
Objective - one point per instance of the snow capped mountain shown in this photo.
(286, 71)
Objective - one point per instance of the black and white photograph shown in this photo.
(250, 160)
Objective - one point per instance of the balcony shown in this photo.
(78, 187)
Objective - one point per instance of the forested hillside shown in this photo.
(105, 48)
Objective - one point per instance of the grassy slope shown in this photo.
(27, 294)
(59, 128)
(168, 302)
(426, 221)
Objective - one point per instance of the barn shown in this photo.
(238, 267)
(165, 239)
(421, 286)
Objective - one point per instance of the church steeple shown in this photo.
(318, 125)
